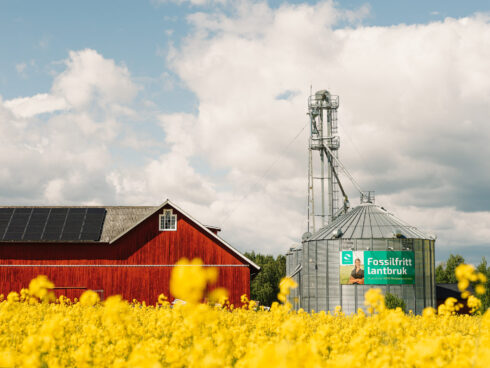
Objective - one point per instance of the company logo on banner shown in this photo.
(347, 258)
(377, 267)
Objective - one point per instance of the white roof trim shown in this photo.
(203, 227)
(213, 227)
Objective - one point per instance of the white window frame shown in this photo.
(167, 214)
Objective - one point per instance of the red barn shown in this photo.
(113, 250)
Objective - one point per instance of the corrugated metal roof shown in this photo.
(368, 221)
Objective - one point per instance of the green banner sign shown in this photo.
(377, 267)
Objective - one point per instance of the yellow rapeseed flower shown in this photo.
(285, 286)
(89, 298)
(480, 289)
(115, 333)
(13, 297)
(40, 288)
(189, 280)
(374, 300)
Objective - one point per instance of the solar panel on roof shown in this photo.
(89, 236)
(99, 210)
(51, 224)
(17, 224)
(73, 224)
(5, 215)
(92, 227)
(54, 224)
(23, 211)
(37, 223)
(40, 210)
(78, 210)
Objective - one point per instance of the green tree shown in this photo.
(485, 298)
(447, 275)
(392, 302)
(265, 286)
(440, 274)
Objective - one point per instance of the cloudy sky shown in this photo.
(204, 102)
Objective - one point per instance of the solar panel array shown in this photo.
(51, 224)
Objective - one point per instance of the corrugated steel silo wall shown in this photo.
(293, 259)
(334, 291)
(289, 268)
(289, 260)
(305, 291)
(320, 277)
(296, 300)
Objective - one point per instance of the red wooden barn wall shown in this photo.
(111, 267)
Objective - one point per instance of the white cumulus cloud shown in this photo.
(89, 77)
(55, 146)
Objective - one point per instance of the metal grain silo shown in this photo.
(399, 257)
(357, 249)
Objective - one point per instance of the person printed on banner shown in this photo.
(357, 274)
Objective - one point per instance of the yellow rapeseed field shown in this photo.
(37, 332)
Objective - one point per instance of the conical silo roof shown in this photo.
(368, 221)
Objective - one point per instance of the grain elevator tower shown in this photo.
(323, 182)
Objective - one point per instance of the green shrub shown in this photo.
(393, 302)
